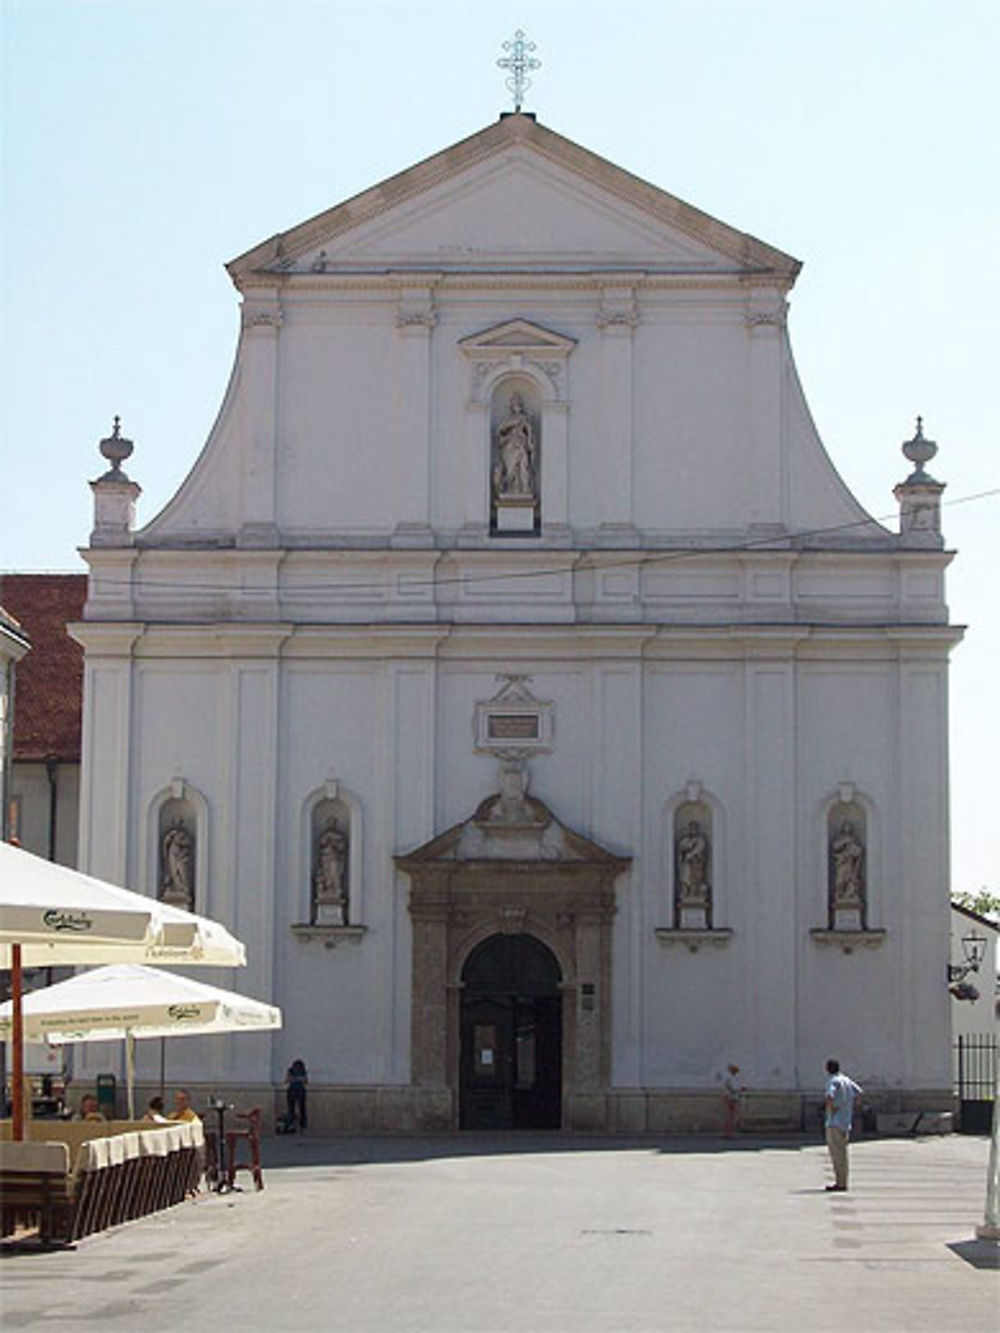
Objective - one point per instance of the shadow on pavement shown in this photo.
(290, 1151)
(978, 1253)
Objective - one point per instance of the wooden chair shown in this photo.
(251, 1137)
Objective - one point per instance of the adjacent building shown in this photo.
(44, 790)
(14, 643)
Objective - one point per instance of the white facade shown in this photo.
(718, 628)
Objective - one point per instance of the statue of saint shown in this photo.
(177, 864)
(331, 862)
(692, 865)
(847, 857)
(514, 473)
(511, 806)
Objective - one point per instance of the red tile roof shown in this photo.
(48, 691)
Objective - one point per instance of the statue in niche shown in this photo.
(847, 858)
(177, 865)
(692, 866)
(514, 474)
(329, 874)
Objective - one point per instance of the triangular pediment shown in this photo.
(517, 335)
(514, 195)
(534, 835)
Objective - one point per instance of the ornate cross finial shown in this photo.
(519, 62)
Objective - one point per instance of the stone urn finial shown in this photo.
(919, 451)
(919, 496)
(116, 448)
(115, 493)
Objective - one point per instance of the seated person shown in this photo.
(183, 1110)
(154, 1112)
(89, 1108)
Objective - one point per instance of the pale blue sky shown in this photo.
(146, 142)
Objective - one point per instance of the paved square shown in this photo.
(544, 1234)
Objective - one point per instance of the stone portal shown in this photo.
(512, 870)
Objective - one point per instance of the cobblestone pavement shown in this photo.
(544, 1234)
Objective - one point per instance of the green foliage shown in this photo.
(983, 901)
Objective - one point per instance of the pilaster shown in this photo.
(429, 1019)
(105, 786)
(769, 881)
(617, 320)
(415, 320)
(765, 319)
(262, 320)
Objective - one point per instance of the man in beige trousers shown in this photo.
(841, 1093)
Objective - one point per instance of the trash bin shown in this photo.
(107, 1096)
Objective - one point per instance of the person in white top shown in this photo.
(731, 1089)
(154, 1112)
(841, 1094)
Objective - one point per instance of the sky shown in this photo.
(146, 142)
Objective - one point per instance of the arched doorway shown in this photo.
(510, 1066)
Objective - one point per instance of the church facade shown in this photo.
(515, 675)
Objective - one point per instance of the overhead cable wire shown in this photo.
(782, 542)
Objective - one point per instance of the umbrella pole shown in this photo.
(17, 1044)
(130, 1071)
(163, 1066)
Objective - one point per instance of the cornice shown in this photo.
(583, 280)
(106, 638)
(553, 642)
(326, 642)
(924, 640)
(517, 642)
(253, 640)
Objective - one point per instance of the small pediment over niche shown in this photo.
(517, 336)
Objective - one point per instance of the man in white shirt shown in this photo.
(841, 1093)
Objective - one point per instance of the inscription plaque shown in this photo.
(513, 726)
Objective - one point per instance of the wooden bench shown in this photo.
(36, 1190)
(115, 1178)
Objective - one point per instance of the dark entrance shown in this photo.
(511, 1057)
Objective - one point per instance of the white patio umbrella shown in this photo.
(60, 917)
(132, 1002)
(53, 916)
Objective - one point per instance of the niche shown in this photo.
(177, 861)
(692, 852)
(515, 458)
(847, 866)
(331, 857)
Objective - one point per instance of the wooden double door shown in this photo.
(510, 1068)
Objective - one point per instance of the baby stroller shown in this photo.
(285, 1124)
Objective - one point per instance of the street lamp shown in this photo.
(974, 949)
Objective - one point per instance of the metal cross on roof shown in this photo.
(519, 62)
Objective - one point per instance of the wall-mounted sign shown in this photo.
(514, 720)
